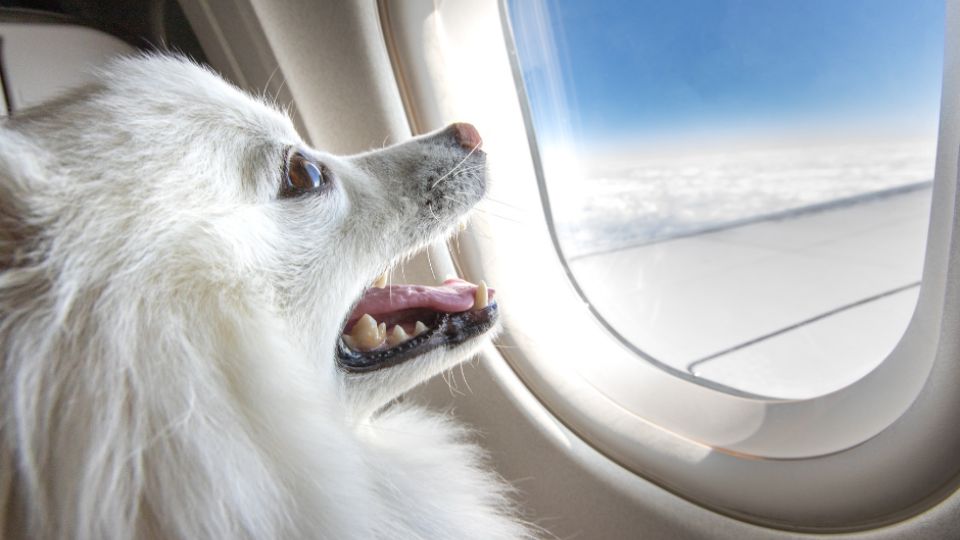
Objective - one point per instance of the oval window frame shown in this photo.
(691, 438)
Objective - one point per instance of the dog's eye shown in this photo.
(302, 175)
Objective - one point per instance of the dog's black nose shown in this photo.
(467, 136)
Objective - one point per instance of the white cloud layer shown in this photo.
(606, 203)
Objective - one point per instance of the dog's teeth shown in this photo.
(349, 342)
(397, 337)
(382, 331)
(381, 281)
(480, 296)
(367, 334)
(419, 328)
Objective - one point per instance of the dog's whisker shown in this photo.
(289, 104)
(283, 83)
(465, 170)
(446, 379)
(499, 216)
(454, 169)
(498, 201)
(457, 267)
(501, 213)
(485, 211)
(436, 218)
(266, 85)
(464, 377)
(469, 168)
(452, 384)
(430, 263)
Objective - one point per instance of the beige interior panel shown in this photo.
(41, 60)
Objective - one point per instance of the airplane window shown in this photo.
(740, 188)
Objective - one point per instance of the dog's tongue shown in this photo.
(453, 296)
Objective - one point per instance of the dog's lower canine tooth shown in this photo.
(367, 334)
(419, 328)
(397, 336)
(349, 342)
(480, 296)
(381, 281)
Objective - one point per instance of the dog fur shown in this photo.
(168, 326)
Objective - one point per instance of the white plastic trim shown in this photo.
(454, 64)
(466, 77)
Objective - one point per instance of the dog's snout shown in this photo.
(467, 136)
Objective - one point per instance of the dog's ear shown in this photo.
(17, 234)
(24, 283)
(15, 231)
(22, 277)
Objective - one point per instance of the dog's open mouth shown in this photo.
(395, 323)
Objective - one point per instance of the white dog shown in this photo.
(182, 281)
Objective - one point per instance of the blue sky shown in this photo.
(643, 68)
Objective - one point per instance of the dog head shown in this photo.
(163, 184)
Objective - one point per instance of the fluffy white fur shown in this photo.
(168, 326)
